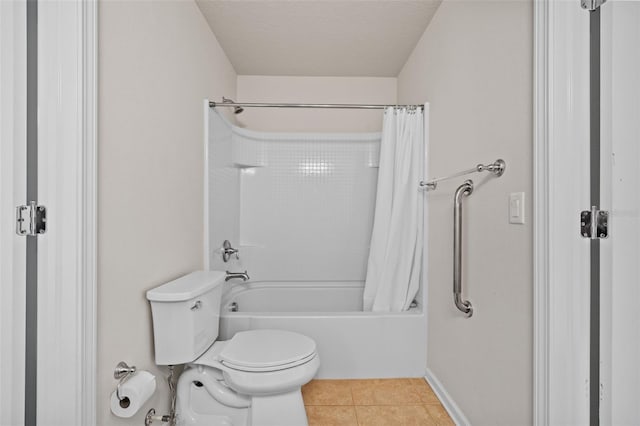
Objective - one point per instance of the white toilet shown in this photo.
(254, 379)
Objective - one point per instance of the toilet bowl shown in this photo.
(253, 379)
(260, 370)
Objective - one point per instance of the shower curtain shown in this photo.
(395, 254)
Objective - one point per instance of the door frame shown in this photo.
(561, 190)
(13, 147)
(67, 186)
(553, 38)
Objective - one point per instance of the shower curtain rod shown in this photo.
(213, 104)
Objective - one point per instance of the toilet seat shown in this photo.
(266, 350)
(279, 361)
(259, 351)
(268, 369)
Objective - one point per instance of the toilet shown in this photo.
(253, 379)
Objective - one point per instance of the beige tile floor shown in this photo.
(374, 402)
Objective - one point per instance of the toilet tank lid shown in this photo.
(186, 287)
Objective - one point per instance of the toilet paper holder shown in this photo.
(122, 373)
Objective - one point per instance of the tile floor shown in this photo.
(374, 402)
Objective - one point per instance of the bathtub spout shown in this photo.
(232, 275)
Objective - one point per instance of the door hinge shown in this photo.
(591, 5)
(594, 223)
(31, 219)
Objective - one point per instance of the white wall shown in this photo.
(314, 90)
(474, 65)
(158, 61)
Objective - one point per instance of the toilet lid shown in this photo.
(267, 350)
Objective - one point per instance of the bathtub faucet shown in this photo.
(232, 275)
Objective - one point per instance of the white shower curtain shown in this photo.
(395, 255)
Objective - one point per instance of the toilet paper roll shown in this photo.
(133, 394)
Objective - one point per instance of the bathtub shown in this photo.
(351, 343)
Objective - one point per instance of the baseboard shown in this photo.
(448, 403)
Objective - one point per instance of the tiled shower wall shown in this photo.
(298, 206)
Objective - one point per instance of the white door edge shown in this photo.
(561, 177)
(67, 169)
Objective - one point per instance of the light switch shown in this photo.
(516, 207)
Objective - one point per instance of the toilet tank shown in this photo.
(186, 314)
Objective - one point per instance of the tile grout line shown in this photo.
(353, 399)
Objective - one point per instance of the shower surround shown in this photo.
(299, 208)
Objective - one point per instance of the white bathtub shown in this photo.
(351, 343)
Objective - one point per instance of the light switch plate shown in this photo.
(516, 208)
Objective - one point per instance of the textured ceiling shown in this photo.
(318, 37)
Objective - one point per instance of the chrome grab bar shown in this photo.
(497, 168)
(463, 305)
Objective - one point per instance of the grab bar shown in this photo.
(497, 168)
(463, 305)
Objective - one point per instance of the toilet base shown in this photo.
(197, 407)
(207, 411)
(270, 410)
